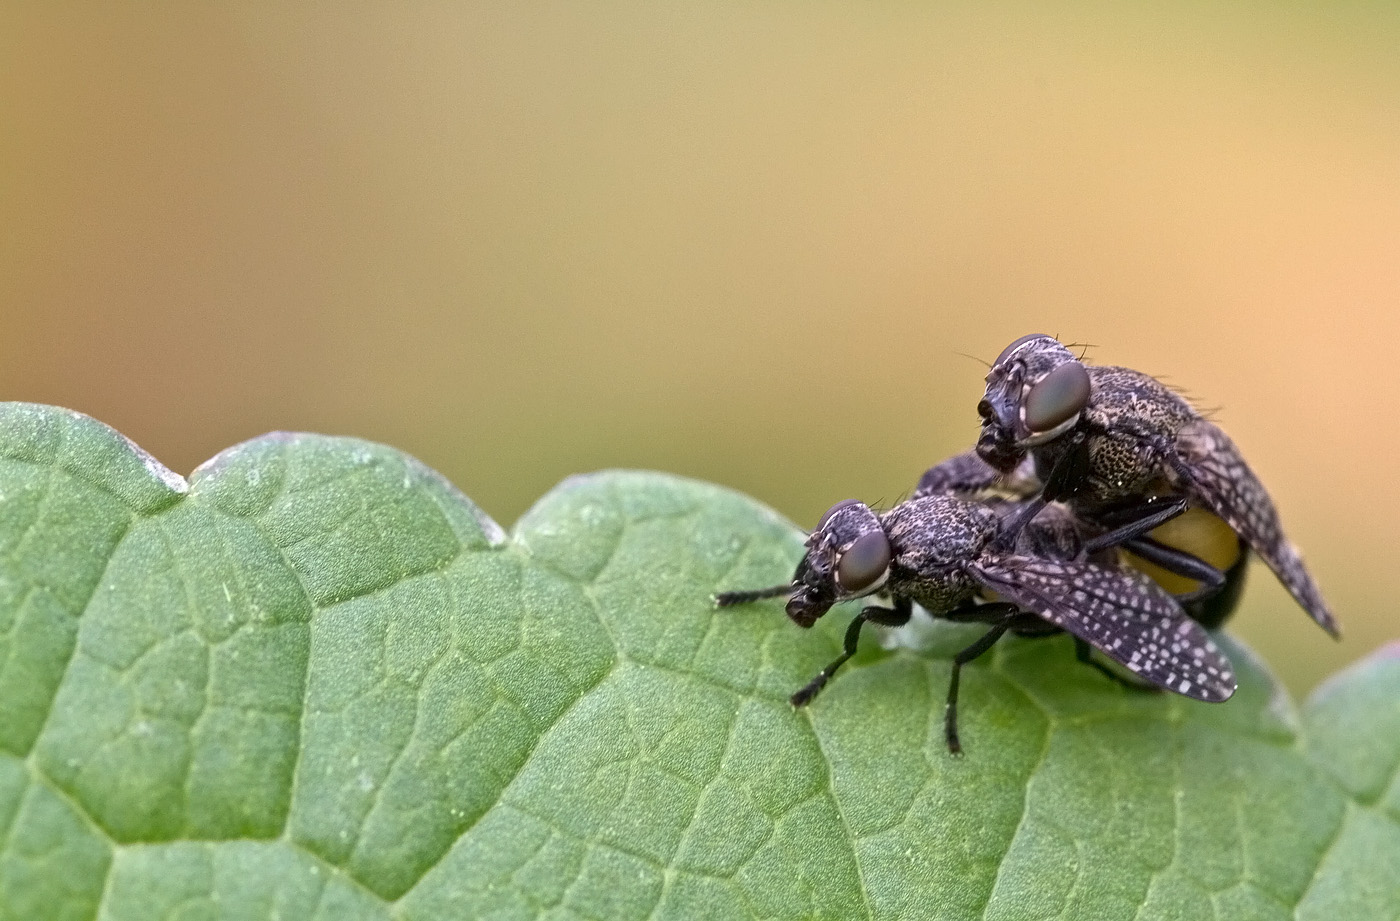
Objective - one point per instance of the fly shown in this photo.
(1110, 442)
(945, 552)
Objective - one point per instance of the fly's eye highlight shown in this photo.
(1006, 352)
(864, 563)
(1057, 397)
(827, 515)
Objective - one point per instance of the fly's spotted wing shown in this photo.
(1209, 463)
(1124, 615)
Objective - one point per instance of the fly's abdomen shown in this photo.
(1199, 533)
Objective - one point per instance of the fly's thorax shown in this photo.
(933, 539)
(1120, 465)
(939, 530)
(1125, 425)
(1130, 401)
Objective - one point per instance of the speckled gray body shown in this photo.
(1139, 439)
(952, 545)
(1055, 532)
(933, 539)
(945, 553)
(1130, 422)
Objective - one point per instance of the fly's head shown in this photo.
(1036, 391)
(848, 555)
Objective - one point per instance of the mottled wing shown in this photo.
(1216, 475)
(1122, 614)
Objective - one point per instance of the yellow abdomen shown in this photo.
(1197, 532)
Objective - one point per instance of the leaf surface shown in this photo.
(315, 681)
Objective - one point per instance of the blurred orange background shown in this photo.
(748, 244)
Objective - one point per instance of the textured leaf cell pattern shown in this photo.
(315, 681)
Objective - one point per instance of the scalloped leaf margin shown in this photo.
(315, 681)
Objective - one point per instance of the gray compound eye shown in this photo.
(1057, 397)
(1006, 352)
(864, 563)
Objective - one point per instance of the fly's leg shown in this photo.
(1182, 563)
(1064, 481)
(991, 613)
(1084, 652)
(1012, 525)
(1003, 616)
(1212, 611)
(1070, 471)
(950, 709)
(1153, 514)
(1132, 536)
(896, 616)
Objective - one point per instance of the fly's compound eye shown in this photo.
(862, 565)
(1058, 397)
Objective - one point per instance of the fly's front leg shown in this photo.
(896, 616)
(1070, 470)
(728, 599)
(1065, 479)
(1012, 525)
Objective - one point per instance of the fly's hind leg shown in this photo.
(1003, 617)
(1183, 564)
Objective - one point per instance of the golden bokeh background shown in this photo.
(748, 243)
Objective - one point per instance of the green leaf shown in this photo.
(316, 682)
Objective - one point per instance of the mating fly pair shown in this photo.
(1071, 467)
(954, 542)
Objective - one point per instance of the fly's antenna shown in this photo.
(728, 599)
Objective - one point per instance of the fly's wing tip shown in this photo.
(1224, 690)
(1214, 689)
(1124, 615)
(1292, 572)
(1219, 478)
(1305, 591)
